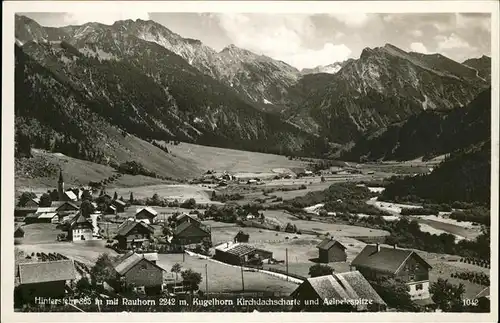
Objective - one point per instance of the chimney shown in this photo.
(378, 247)
(395, 246)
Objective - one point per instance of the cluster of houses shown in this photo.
(375, 261)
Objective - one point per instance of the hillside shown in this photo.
(259, 80)
(428, 134)
(142, 88)
(463, 176)
(482, 65)
(385, 85)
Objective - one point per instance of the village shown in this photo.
(78, 240)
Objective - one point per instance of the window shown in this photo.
(419, 286)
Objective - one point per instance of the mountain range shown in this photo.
(142, 79)
(428, 134)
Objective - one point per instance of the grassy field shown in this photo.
(77, 172)
(225, 278)
(236, 161)
(39, 233)
(335, 230)
(85, 251)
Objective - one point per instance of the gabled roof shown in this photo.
(185, 225)
(80, 219)
(112, 207)
(326, 244)
(120, 202)
(71, 195)
(73, 205)
(388, 260)
(48, 215)
(147, 209)
(128, 225)
(46, 271)
(126, 262)
(344, 286)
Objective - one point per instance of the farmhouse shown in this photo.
(189, 233)
(240, 253)
(375, 261)
(120, 205)
(67, 207)
(338, 292)
(331, 250)
(80, 228)
(45, 279)
(146, 213)
(183, 218)
(135, 269)
(133, 234)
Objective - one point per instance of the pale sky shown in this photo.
(309, 40)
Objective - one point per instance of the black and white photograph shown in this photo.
(252, 161)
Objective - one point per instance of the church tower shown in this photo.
(60, 186)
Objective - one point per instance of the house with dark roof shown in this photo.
(111, 209)
(182, 218)
(44, 279)
(67, 206)
(342, 292)
(80, 228)
(146, 213)
(133, 234)
(139, 271)
(120, 205)
(191, 233)
(376, 262)
(240, 253)
(331, 250)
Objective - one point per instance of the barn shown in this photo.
(240, 253)
(331, 250)
(45, 278)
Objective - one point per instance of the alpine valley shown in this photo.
(80, 89)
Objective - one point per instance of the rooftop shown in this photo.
(46, 271)
(327, 243)
(128, 225)
(345, 286)
(147, 209)
(387, 260)
(238, 249)
(128, 260)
